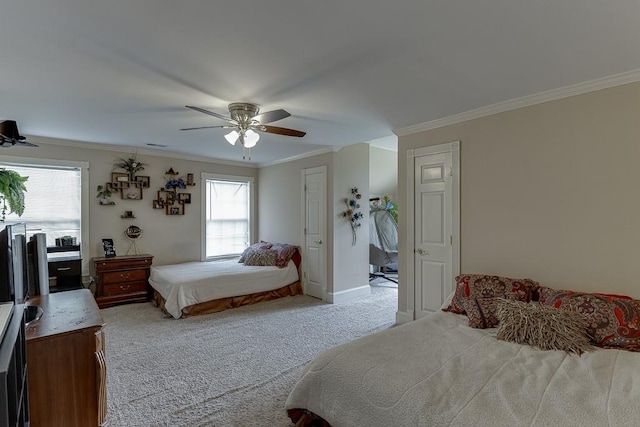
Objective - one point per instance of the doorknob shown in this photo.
(317, 242)
(421, 251)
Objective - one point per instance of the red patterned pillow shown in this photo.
(481, 312)
(613, 321)
(469, 286)
(285, 252)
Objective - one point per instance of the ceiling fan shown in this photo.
(245, 121)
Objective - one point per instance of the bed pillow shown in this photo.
(469, 286)
(542, 326)
(259, 245)
(481, 312)
(285, 252)
(613, 321)
(261, 257)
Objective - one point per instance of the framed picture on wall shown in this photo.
(184, 197)
(143, 181)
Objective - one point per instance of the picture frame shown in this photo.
(143, 181)
(119, 177)
(175, 209)
(190, 179)
(158, 204)
(184, 198)
(109, 248)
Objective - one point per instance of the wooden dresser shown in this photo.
(66, 362)
(122, 279)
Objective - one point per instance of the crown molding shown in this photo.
(144, 151)
(329, 149)
(525, 101)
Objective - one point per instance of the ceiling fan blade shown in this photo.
(211, 113)
(281, 131)
(271, 116)
(207, 127)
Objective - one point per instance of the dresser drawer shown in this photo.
(64, 268)
(124, 288)
(118, 263)
(124, 276)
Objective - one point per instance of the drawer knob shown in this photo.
(124, 287)
(124, 275)
(64, 268)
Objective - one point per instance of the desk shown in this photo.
(65, 268)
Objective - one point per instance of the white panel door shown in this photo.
(433, 253)
(314, 264)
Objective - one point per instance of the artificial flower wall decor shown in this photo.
(131, 165)
(352, 213)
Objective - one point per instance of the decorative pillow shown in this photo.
(469, 286)
(261, 257)
(481, 312)
(613, 321)
(285, 252)
(259, 245)
(542, 326)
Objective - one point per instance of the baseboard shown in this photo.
(348, 295)
(404, 317)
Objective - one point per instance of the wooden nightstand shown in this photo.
(122, 279)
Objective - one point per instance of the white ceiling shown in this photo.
(121, 71)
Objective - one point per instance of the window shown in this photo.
(52, 201)
(228, 219)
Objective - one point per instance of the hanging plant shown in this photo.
(352, 214)
(12, 190)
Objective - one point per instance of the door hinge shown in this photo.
(451, 239)
(305, 231)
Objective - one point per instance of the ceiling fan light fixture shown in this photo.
(232, 137)
(250, 139)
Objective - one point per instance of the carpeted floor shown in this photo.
(233, 368)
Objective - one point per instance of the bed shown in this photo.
(193, 288)
(440, 371)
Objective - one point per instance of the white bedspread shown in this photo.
(182, 285)
(437, 371)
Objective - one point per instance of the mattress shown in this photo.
(182, 285)
(437, 371)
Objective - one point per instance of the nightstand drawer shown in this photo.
(124, 288)
(64, 268)
(124, 276)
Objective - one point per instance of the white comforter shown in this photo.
(182, 285)
(437, 371)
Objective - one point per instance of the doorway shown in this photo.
(314, 264)
(433, 232)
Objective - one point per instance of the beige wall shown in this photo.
(383, 172)
(280, 203)
(351, 263)
(549, 192)
(171, 239)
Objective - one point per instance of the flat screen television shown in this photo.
(14, 279)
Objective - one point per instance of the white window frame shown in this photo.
(8, 161)
(203, 224)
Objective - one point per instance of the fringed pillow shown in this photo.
(545, 327)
